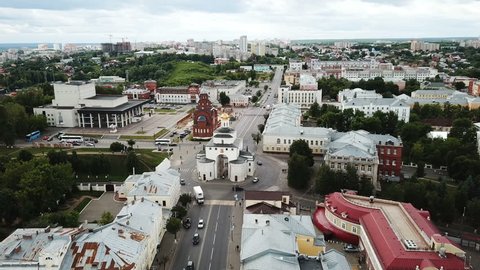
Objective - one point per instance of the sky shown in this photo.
(93, 21)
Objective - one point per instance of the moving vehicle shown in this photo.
(72, 139)
(259, 163)
(255, 180)
(197, 190)
(196, 239)
(201, 224)
(90, 139)
(190, 266)
(187, 223)
(32, 136)
(182, 182)
(45, 137)
(163, 141)
(351, 248)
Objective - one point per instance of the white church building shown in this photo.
(223, 156)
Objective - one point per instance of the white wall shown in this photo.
(107, 103)
(70, 95)
(68, 116)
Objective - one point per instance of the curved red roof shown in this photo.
(324, 225)
(389, 250)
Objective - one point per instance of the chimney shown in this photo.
(267, 222)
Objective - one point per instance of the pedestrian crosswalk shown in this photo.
(219, 202)
(192, 169)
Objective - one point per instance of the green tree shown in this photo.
(265, 87)
(24, 155)
(106, 218)
(224, 99)
(258, 93)
(179, 211)
(254, 99)
(257, 137)
(185, 199)
(473, 212)
(464, 130)
(301, 147)
(173, 225)
(131, 161)
(57, 157)
(459, 85)
(261, 128)
(116, 147)
(314, 110)
(299, 172)
(131, 143)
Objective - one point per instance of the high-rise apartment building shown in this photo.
(243, 44)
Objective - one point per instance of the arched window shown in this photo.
(278, 141)
(202, 118)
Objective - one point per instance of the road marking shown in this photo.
(205, 232)
(210, 265)
(214, 236)
(219, 202)
(216, 225)
(211, 254)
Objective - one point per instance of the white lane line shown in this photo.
(211, 254)
(216, 225)
(203, 235)
(209, 266)
(214, 239)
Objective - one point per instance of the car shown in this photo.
(89, 144)
(182, 182)
(171, 135)
(187, 223)
(183, 135)
(50, 138)
(351, 248)
(259, 163)
(196, 239)
(190, 266)
(45, 138)
(255, 180)
(89, 139)
(76, 143)
(200, 224)
(174, 133)
(59, 135)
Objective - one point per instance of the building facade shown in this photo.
(371, 105)
(205, 119)
(391, 235)
(178, 95)
(303, 98)
(223, 157)
(77, 105)
(135, 94)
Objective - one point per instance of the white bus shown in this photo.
(71, 139)
(163, 141)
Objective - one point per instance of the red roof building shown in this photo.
(392, 235)
(205, 119)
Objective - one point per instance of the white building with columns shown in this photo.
(76, 104)
(224, 157)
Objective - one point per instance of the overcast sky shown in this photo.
(160, 20)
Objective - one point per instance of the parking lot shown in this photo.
(94, 210)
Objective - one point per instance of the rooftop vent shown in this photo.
(301, 132)
(371, 199)
(410, 244)
(267, 222)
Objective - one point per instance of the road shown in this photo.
(211, 252)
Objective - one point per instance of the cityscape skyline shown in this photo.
(95, 22)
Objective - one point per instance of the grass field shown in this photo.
(187, 72)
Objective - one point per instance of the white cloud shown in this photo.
(148, 20)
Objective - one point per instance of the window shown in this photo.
(363, 167)
(381, 150)
(278, 140)
(394, 151)
(164, 203)
(354, 229)
(387, 162)
(393, 162)
(369, 168)
(316, 142)
(289, 142)
(388, 151)
(381, 161)
(344, 226)
(339, 165)
(332, 165)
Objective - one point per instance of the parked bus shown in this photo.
(32, 136)
(163, 141)
(71, 139)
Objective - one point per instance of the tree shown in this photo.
(57, 157)
(261, 128)
(301, 147)
(185, 199)
(131, 161)
(299, 172)
(24, 155)
(314, 110)
(265, 87)
(131, 143)
(459, 85)
(116, 147)
(173, 225)
(464, 130)
(257, 137)
(224, 99)
(258, 93)
(473, 212)
(106, 218)
(420, 169)
(179, 211)
(254, 99)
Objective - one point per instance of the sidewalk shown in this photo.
(233, 255)
(167, 251)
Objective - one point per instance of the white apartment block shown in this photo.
(343, 44)
(349, 94)
(303, 98)
(371, 105)
(400, 73)
(295, 65)
(416, 45)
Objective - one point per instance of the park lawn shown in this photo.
(185, 73)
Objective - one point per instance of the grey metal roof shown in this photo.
(334, 260)
(376, 102)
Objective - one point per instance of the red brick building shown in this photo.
(150, 85)
(135, 94)
(194, 92)
(390, 158)
(205, 119)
